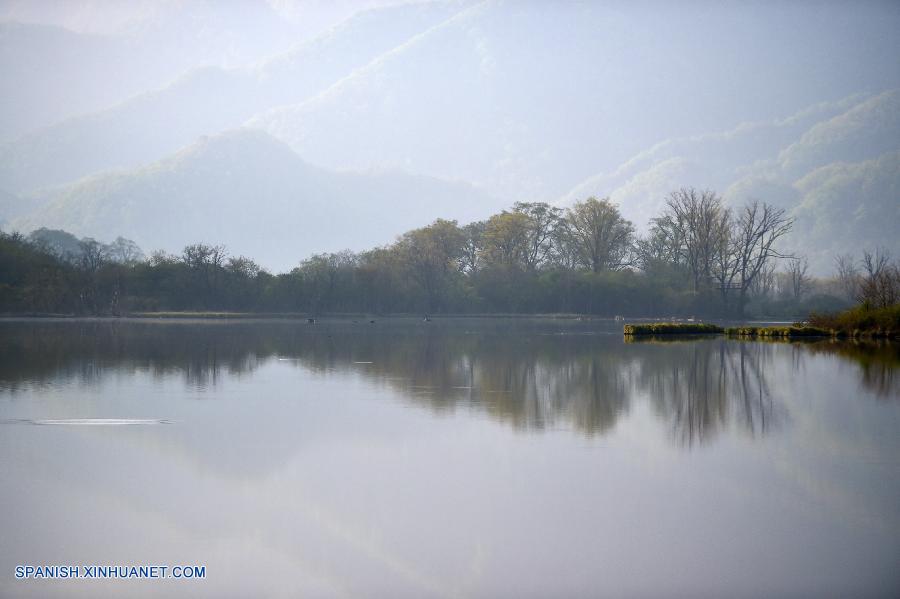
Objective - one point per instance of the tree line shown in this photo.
(699, 257)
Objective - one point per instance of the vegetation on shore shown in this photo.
(699, 257)
(792, 331)
(672, 328)
(861, 321)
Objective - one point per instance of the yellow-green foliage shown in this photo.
(862, 322)
(671, 328)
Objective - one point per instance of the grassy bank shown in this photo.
(678, 328)
(226, 315)
(861, 322)
(672, 328)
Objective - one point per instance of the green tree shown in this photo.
(473, 247)
(322, 277)
(506, 239)
(432, 255)
(601, 239)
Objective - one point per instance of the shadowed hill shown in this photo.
(251, 192)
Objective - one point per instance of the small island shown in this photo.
(672, 328)
(860, 322)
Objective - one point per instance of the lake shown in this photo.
(455, 458)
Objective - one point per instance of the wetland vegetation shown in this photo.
(698, 258)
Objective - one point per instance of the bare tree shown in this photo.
(880, 286)
(93, 254)
(206, 263)
(125, 251)
(162, 258)
(543, 219)
(848, 276)
(798, 279)
(750, 248)
(766, 284)
(656, 248)
(200, 255)
(695, 224)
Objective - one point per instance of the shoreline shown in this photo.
(791, 332)
(292, 316)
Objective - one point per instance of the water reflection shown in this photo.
(699, 385)
(877, 360)
(460, 458)
(532, 375)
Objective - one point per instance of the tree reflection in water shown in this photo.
(878, 362)
(698, 385)
(533, 375)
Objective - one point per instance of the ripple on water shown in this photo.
(88, 421)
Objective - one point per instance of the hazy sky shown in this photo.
(309, 17)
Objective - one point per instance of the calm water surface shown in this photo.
(458, 458)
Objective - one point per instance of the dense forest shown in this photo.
(699, 257)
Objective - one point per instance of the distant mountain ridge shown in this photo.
(205, 101)
(67, 58)
(249, 191)
(841, 158)
(849, 193)
(524, 99)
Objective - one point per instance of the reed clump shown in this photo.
(862, 322)
(672, 328)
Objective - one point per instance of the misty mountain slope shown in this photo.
(836, 173)
(203, 31)
(314, 65)
(527, 98)
(848, 207)
(206, 101)
(252, 193)
(89, 56)
(151, 125)
(864, 132)
(242, 30)
(714, 161)
(212, 32)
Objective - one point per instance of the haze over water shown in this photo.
(457, 458)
